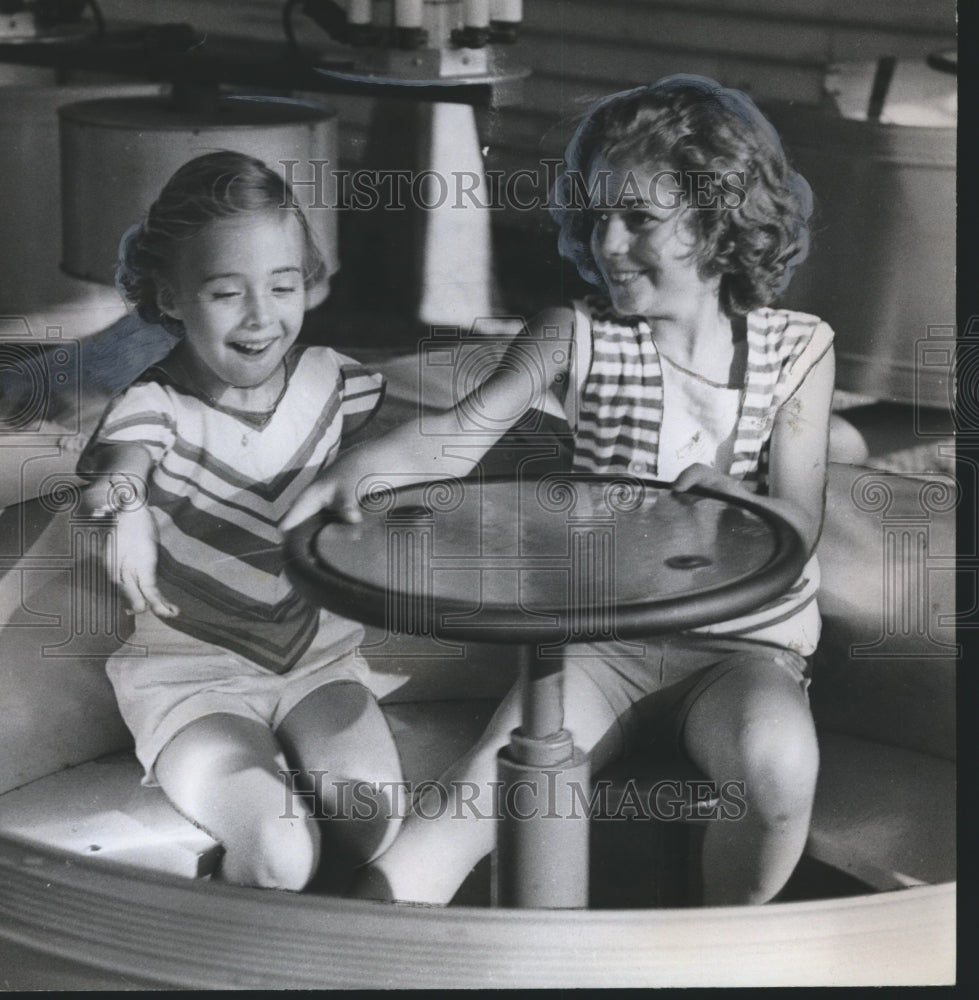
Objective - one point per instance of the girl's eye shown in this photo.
(225, 294)
(634, 218)
(638, 219)
(285, 289)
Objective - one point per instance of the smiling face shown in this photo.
(237, 286)
(643, 243)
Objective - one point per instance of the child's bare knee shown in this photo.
(364, 820)
(780, 766)
(272, 844)
(286, 853)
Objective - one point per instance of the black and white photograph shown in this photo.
(487, 493)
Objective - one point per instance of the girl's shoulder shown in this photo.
(158, 387)
(595, 315)
(553, 322)
(323, 362)
(796, 342)
(310, 356)
(324, 374)
(789, 327)
(322, 371)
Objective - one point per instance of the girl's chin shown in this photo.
(244, 380)
(627, 304)
(250, 372)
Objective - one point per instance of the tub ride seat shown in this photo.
(882, 695)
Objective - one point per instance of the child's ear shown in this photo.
(317, 292)
(166, 300)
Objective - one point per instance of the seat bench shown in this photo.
(100, 811)
(883, 814)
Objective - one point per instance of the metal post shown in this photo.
(542, 836)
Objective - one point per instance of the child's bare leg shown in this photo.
(221, 771)
(753, 725)
(432, 856)
(340, 729)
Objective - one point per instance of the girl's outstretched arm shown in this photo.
(122, 471)
(797, 467)
(532, 366)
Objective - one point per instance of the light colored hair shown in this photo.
(697, 129)
(213, 186)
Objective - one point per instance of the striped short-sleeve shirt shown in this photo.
(620, 426)
(221, 482)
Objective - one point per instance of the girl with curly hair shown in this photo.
(678, 205)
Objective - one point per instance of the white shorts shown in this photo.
(182, 679)
(651, 693)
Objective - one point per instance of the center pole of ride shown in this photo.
(541, 855)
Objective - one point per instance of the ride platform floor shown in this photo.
(874, 825)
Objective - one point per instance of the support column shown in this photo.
(541, 857)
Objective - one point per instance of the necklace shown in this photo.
(695, 375)
(255, 420)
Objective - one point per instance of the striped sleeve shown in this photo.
(143, 415)
(361, 393)
(803, 358)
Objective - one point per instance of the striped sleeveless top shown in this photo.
(618, 420)
(221, 482)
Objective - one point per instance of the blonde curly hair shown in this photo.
(697, 130)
